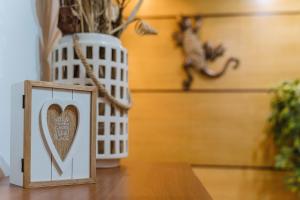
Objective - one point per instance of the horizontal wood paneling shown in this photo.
(177, 7)
(245, 184)
(213, 128)
(268, 47)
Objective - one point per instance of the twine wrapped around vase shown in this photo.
(96, 81)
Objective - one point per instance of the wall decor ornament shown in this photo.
(52, 134)
(197, 54)
(90, 53)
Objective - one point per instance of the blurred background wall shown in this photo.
(18, 60)
(219, 126)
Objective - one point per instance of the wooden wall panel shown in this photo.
(268, 47)
(176, 7)
(245, 184)
(211, 128)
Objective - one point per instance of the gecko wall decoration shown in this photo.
(198, 54)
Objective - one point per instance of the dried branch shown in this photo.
(102, 16)
(47, 14)
(130, 19)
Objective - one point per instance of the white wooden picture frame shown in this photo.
(53, 137)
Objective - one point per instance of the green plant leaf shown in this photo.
(284, 121)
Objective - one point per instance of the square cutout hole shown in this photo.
(122, 74)
(101, 94)
(121, 128)
(76, 71)
(101, 109)
(112, 110)
(112, 147)
(113, 73)
(102, 53)
(87, 76)
(113, 91)
(56, 73)
(89, 52)
(64, 53)
(121, 146)
(114, 55)
(65, 72)
(122, 56)
(121, 92)
(112, 128)
(100, 147)
(101, 128)
(101, 71)
(56, 55)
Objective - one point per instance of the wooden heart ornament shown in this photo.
(62, 125)
(59, 121)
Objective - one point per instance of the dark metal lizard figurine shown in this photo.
(198, 55)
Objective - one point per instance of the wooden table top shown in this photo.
(130, 181)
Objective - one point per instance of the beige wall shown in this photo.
(222, 121)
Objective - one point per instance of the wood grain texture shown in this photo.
(246, 184)
(28, 86)
(27, 133)
(267, 46)
(62, 126)
(212, 128)
(177, 7)
(132, 181)
(93, 134)
(70, 86)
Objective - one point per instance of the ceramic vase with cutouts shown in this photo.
(108, 59)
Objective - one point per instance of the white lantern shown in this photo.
(108, 60)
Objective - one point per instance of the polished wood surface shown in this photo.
(132, 181)
(177, 7)
(244, 184)
(208, 128)
(267, 47)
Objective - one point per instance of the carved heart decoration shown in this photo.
(59, 121)
(62, 127)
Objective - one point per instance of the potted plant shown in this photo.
(90, 53)
(285, 129)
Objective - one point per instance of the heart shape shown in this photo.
(62, 127)
(59, 122)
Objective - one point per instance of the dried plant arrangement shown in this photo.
(91, 30)
(100, 16)
(47, 15)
